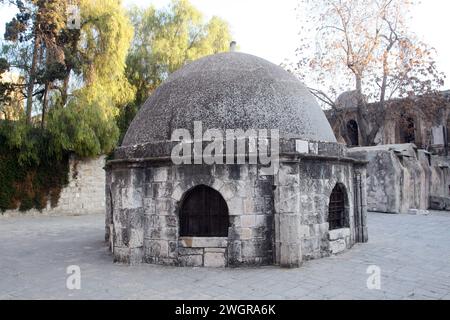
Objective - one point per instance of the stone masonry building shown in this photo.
(233, 214)
(408, 168)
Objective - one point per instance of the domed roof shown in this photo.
(349, 100)
(230, 91)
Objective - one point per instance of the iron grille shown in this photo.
(204, 213)
(336, 209)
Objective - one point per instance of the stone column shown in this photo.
(128, 215)
(109, 207)
(360, 193)
(288, 250)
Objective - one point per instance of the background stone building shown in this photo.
(423, 121)
(218, 215)
(408, 169)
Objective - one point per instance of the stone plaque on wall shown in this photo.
(438, 135)
(301, 146)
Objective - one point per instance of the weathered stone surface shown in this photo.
(338, 246)
(216, 250)
(197, 242)
(227, 80)
(278, 219)
(136, 238)
(291, 255)
(132, 198)
(401, 178)
(245, 233)
(85, 193)
(418, 212)
(439, 203)
(136, 256)
(248, 221)
(160, 174)
(191, 261)
(156, 248)
(338, 234)
(191, 251)
(214, 260)
(236, 206)
(121, 254)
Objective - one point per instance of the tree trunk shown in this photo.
(363, 124)
(32, 77)
(358, 87)
(65, 90)
(44, 105)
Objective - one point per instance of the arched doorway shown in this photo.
(353, 133)
(337, 209)
(204, 213)
(407, 130)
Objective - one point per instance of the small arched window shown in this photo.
(337, 212)
(204, 213)
(353, 133)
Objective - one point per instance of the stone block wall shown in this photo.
(85, 192)
(143, 215)
(302, 194)
(401, 178)
(280, 219)
(318, 181)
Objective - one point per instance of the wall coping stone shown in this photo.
(203, 242)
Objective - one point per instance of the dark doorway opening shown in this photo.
(407, 130)
(204, 213)
(353, 133)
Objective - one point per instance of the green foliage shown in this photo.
(105, 39)
(34, 161)
(59, 64)
(30, 175)
(4, 65)
(164, 40)
(85, 131)
(124, 119)
(84, 85)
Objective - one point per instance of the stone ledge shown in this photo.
(200, 242)
(338, 234)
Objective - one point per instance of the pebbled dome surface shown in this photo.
(230, 91)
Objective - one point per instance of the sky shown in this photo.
(269, 28)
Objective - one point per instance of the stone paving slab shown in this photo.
(412, 252)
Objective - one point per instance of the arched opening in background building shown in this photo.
(353, 133)
(407, 130)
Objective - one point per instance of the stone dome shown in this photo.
(230, 91)
(349, 100)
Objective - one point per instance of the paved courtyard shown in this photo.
(413, 253)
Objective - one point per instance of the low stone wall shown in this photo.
(401, 178)
(84, 194)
